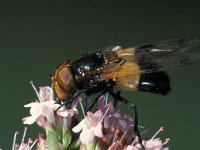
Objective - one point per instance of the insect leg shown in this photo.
(117, 96)
(85, 102)
(105, 90)
(70, 100)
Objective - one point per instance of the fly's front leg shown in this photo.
(105, 90)
(68, 102)
(85, 102)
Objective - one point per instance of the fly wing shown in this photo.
(176, 45)
(166, 55)
(150, 58)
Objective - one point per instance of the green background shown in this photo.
(36, 36)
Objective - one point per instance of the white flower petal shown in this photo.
(90, 127)
(29, 120)
(42, 112)
(48, 113)
(36, 109)
(80, 126)
(87, 136)
(98, 131)
(63, 112)
(31, 104)
(49, 103)
(24, 147)
(155, 144)
(55, 106)
(130, 147)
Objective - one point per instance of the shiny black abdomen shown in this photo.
(156, 82)
(86, 70)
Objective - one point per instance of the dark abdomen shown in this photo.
(157, 82)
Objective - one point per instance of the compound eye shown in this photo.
(65, 75)
(64, 82)
(65, 79)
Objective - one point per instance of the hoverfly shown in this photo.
(138, 68)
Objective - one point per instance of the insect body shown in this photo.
(139, 68)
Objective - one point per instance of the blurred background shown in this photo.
(36, 36)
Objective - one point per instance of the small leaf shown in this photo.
(75, 144)
(66, 138)
(99, 146)
(90, 146)
(53, 142)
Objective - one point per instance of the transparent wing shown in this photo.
(149, 58)
(176, 45)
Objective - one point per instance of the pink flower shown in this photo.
(63, 112)
(39, 111)
(107, 128)
(41, 144)
(113, 118)
(23, 146)
(118, 120)
(103, 105)
(46, 93)
(131, 147)
(42, 111)
(91, 127)
(68, 117)
(156, 144)
(135, 145)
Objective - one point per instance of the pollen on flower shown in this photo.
(160, 130)
(167, 140)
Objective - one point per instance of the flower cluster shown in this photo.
(24, 145)
(103, 129)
